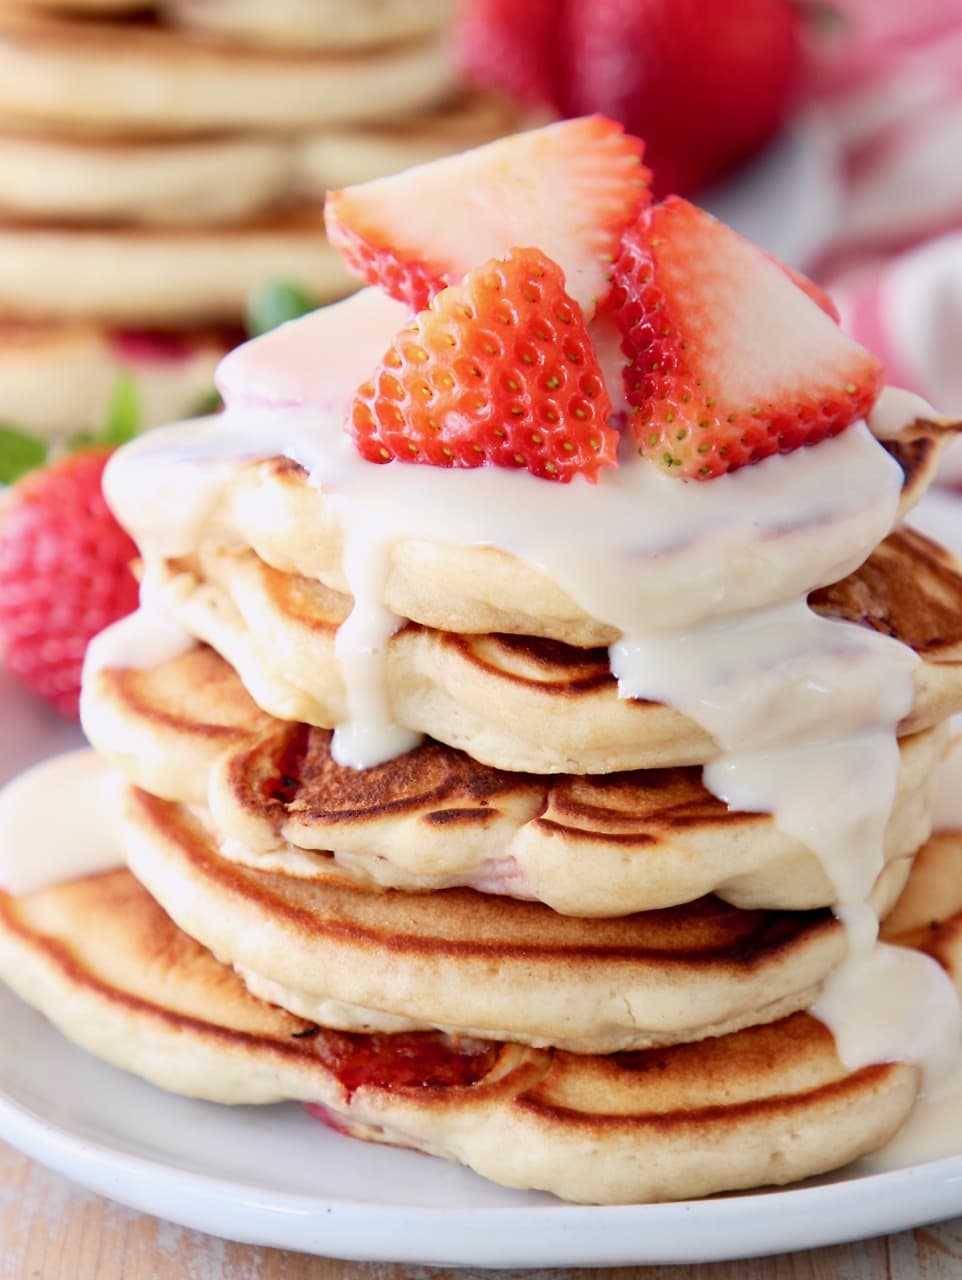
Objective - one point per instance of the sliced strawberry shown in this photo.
(500, 370)
(571, 188)
(728, 360)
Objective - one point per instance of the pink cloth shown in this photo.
(889, 77)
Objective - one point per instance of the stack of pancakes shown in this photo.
(159, 160)
(535, 943)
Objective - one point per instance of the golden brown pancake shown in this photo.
(928, 915)
(527, 704)
(57, 378)
(220, 179)
(434, 818)
(472, 964)
(142, 78)
(169, 276)
(311, 24)
(768, 1105)
(272, 507)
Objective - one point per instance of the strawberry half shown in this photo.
(500, 370)
(571, 188)
(729, 361)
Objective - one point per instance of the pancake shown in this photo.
(763, 1106)
(144, 79)
(81, 7)
(272, 507)
(57, 378)
(471, 964)
(311, 24)
(525, 704)
(126, 276)
(928, 915)
(219, 179)
(333, 158)
(435, 819)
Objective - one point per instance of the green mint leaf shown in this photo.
(124, 413)
(274, 303)
(19, 453)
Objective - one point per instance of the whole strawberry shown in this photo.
(64, 574)
(706, 83)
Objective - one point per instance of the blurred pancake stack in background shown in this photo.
(158, 162)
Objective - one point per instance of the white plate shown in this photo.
(274, 1176)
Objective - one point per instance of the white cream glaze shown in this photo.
(369, 736)
(144, 639)
(648, 552)
(57, 823)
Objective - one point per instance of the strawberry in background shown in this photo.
(706, 84)
(65, 562)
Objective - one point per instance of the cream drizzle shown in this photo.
(57, 823)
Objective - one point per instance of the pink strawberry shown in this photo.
(571, 188)
(705, 83)
(64, 574)
(500, 370)
(728, 360)
(510, 47)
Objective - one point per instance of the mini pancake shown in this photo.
(311, 24)
(57, 378)
(435, 819)
(144, 79)
(220, 179)
(768, 1105)
(364, 959)
(525, 704)
(142, 276)
(271, 506)
(86, 8)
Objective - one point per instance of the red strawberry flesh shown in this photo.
(729, 361)
(570, 188)
(500, 370)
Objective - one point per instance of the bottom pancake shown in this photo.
(57, 379)
(765, 1106)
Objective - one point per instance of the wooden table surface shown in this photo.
(51, 1229)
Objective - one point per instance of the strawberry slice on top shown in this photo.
(570, 188)
(728, 360)
(500, 370)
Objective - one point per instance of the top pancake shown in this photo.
(768, 1105)
(525, 704)
(272, 507)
